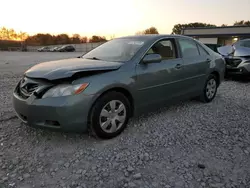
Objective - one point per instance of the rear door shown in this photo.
(159, 82)
(196, 65)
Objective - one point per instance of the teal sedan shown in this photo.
(124, 77)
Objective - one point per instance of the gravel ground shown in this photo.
(189, 144)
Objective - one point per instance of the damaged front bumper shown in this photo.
(66, 113)
(241, 71)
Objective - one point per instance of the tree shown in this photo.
(242, 23)
(11, 34)
(97, 39)
(177, 29)
(151, 30)
(23, 35)
(76, 39)
(5, 34)
(63, 39)
(40, 39)
(84, 39)
(223, 25)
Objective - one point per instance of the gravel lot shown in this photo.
(185, 145)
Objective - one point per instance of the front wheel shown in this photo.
(210, 89)
(110, 115)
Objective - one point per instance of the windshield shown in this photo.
(242, 43)
(245, 43)
(115, 50)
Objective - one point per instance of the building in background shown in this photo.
(218, 35)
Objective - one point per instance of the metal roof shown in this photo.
(221, 27)
(218, 31)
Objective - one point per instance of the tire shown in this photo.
(211, 82)
(103, 106)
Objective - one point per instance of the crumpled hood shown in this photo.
(66, 68)
(238, 51)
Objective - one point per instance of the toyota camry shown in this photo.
(124, 77)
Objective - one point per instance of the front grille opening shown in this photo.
(52, 123)
(234, 62)
(22, 94)
(27, 90)
(31, 88)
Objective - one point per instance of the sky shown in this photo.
(116, 17)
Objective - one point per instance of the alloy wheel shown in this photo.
(211, 88)
(112, 116)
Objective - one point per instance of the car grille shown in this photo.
(26, 88)
(233, 62)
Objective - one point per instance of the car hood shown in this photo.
(238, 51)
(68, 67)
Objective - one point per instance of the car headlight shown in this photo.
(65, 90)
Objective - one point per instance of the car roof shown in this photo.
(153, 37)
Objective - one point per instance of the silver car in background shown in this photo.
(237, 57)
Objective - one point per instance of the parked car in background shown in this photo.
(55, 49)
(102, 89)
(237, 57)
(44, 49)
(66, 48)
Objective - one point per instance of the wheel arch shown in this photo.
(217, 75)
(119, 89)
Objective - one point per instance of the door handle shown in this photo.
(178, 66)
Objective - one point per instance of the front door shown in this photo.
(196, 64)
(161, 81)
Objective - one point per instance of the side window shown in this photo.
(188, 48)
(165, 48)
(202, 51)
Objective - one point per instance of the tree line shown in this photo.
(11, 34)
(48, 39)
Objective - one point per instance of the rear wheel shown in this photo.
(110, 115)
(210, 89)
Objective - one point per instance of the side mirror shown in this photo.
(152, 58)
